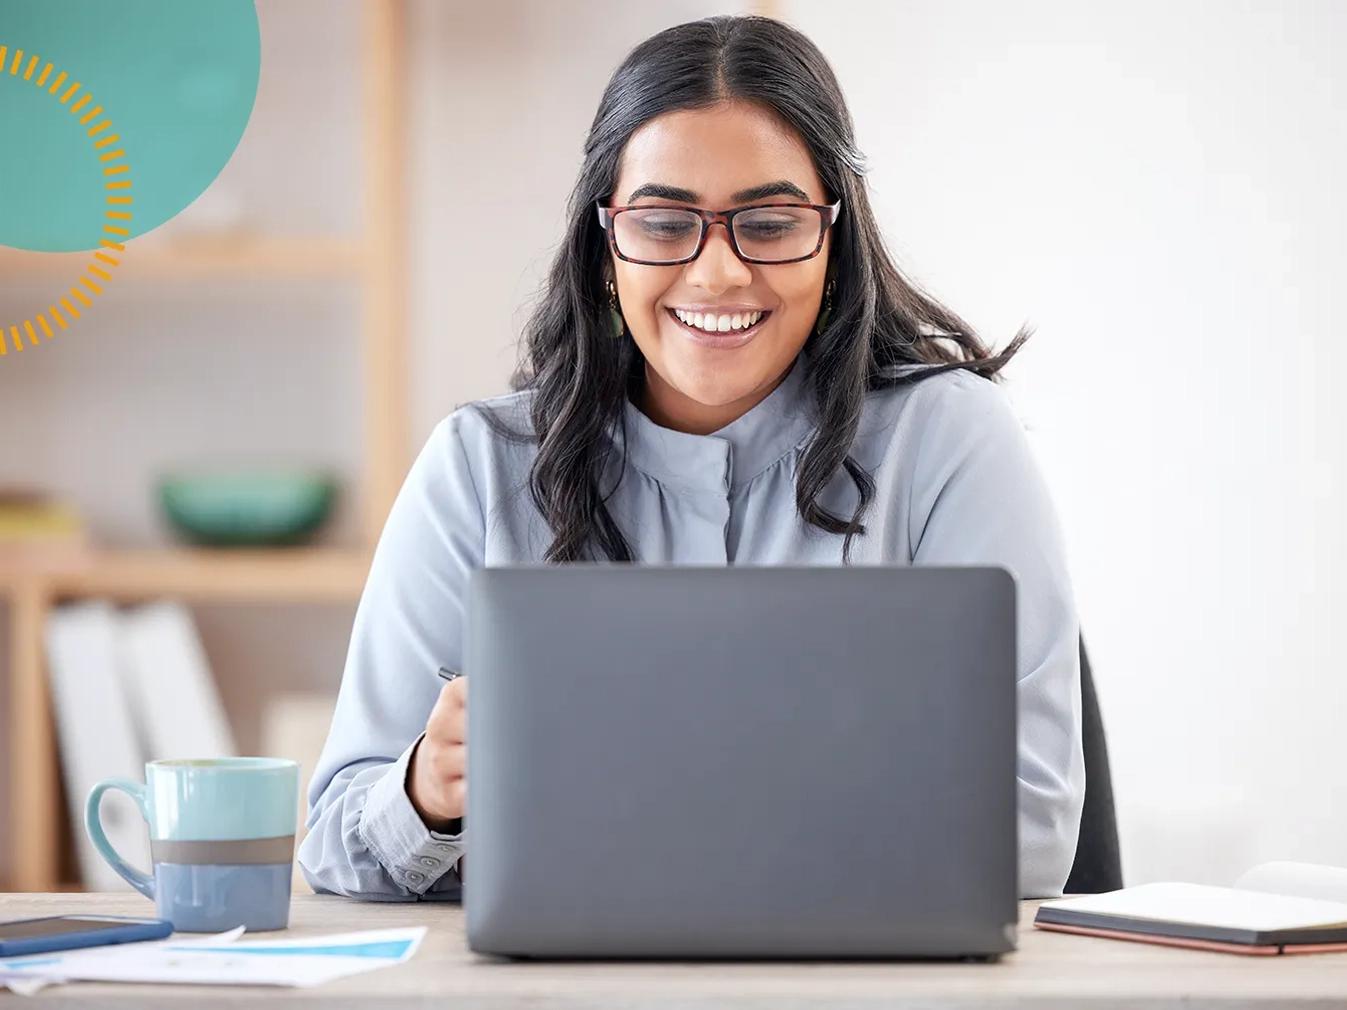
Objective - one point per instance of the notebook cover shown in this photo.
(1189, 931)
(1195, 943)
(1133, 920)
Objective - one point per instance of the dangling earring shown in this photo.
(613, 313)
(827, 307)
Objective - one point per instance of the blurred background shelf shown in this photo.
(367, 256)
(303, 574)
(252, 257)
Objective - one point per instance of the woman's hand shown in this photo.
(437, 781)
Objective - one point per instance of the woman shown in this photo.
(750, 384)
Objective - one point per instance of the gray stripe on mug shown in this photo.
(230, 852)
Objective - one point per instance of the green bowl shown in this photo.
(247, 508)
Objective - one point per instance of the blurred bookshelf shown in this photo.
(33, 581)
(294, 575)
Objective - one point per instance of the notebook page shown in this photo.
(1205, 905)
(1307, 880)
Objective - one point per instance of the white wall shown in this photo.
(1156, 186)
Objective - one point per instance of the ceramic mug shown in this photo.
(222, 840)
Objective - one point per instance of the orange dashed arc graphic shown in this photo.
(16, 69)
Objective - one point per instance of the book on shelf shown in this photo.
(174, 699)
(128, 686)
(1274, 908)
(96, 733)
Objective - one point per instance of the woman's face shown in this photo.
(713, 155)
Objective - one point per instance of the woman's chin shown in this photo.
(716, 381)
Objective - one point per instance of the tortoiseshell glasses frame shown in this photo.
(828, 216)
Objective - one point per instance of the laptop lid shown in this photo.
(693, 761)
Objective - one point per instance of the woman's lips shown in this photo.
(724, 341)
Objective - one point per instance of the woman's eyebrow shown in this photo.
(782, 187)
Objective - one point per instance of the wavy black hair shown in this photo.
(581, 374)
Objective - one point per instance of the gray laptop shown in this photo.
(711, 762)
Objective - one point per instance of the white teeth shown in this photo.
(719, 324)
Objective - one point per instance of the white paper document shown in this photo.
(224, 959)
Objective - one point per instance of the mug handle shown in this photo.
(93, 823)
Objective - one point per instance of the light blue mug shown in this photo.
(222, 840)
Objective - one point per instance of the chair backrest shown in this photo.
(1098, 866)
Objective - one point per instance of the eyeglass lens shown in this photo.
(666, 234)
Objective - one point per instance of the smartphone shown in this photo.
(66, 932)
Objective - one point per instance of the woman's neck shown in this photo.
(670, 408)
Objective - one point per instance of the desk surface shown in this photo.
(1048, 969)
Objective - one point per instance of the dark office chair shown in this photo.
(1098, 866)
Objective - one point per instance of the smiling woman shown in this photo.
(731, 113)
(725, 368)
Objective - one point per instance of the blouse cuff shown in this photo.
(414, 856)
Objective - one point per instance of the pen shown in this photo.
(448, 675)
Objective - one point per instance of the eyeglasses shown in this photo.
(770, 233)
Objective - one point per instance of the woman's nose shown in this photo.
(717, 267)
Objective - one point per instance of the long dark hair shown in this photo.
(581, 373)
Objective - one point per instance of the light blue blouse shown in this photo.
(956, 483)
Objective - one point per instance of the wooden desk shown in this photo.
(1048, 970)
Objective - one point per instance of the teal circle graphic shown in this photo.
(176, 81)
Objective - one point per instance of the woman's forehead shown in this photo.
(716, 152)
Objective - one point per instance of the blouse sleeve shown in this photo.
(979, 497)
(365, 839)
